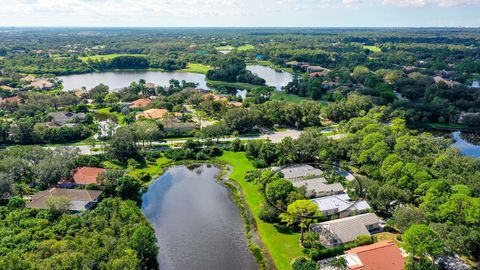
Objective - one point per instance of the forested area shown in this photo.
(113, 236)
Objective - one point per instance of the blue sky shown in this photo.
(238, 13)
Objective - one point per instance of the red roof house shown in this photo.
(14, 99)
(383, 255)
(86, 175)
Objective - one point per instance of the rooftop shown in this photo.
(79, 198)
(381, 255)
(341, 202)
(86, 175)
(319, 185)
(347, 229)
(140, 103)
(301, 172)
(152, 114)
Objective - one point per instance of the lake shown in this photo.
(196, 222)
(278, 79)
(120, 79)
(468, 143)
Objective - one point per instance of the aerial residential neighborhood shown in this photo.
(240, 135)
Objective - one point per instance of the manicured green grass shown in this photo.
(231, 85)
(106, 56)
(225, 48)
(373, 48)
(246, 47)
(197, 68)
(283, 247)
(277, 95)
(444, 125)
(106, 112)
(154, 169)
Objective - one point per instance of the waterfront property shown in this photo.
(345, 230)
(86, 175)
(79, 199)
(341, 205)
(381, 255)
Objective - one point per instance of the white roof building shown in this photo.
(341, 204)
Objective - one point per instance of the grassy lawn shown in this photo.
(197, 68)
(277, 95)
(283, 247)
(384, 236)
(231, 85)
(154, 169)
(246, 47)
(106, 56)
(373, 48)
(104, 113)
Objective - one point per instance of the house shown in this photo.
(42, 84)
(341, 205)
(152, 114)
(439, 79)
(318, 74)
(175, 124)
(235, 103)
(382, 255)
(476, 84)
(150, 85)
(62, 118)
(301, 172)
(319, 187)
(80, 199)
(293, 64)
(311, 69)
(86, 175)
(140, 103)
(345, 230)
(14, 99)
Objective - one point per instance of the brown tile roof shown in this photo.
(383, 255)
(152, 114)
(235, 103)
(86, 175)
(140, 103)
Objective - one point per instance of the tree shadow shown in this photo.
(284, 229)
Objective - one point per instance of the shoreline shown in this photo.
(254, 243)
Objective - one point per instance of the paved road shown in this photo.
(275, 137)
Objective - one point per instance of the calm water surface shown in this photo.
(278, 79)
(468, 143)
(196, 223)
(120, 79)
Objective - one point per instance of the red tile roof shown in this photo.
(14, 99)
(383, 255)
(86, 175)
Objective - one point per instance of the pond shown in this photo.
(196, 222)
(468, 143)
(278, 79)
(120, 79)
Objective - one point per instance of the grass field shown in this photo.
(105, 113)
(277, 95)
(154, 169)
(106, 56)
(373, 48)
(231, 84)
(246, 47)
(283, 247)
(197, 68)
